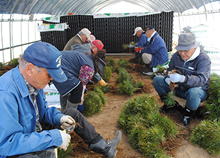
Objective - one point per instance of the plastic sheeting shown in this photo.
(63, 7)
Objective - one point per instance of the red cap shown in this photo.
(98, 44)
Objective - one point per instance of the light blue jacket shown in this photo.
(18, 118)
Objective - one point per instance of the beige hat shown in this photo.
(86, 32)
(136, 30)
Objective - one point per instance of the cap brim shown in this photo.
(57, 74)
(101, 65)
(89, 38)
(182, 47)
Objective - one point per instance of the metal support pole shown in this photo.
(3, 57)
(10, 39)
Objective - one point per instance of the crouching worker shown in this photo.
(79, 68)
(91, 48)
(194, 67)
(24, 110)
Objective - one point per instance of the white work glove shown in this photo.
(66, 140)
(176, 77)
(66, 122)
(167, 80)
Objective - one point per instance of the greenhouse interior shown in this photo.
(129, 100)
(23, 21)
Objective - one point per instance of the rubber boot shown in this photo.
(107, 147)
(149, 70)
(71, 105)
(134, 60)
(188, 116)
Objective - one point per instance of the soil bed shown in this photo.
(106, 123)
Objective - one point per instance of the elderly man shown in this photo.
(155, 53)
(141, 42)
(194, 67)
(80, 38)
(24, 110)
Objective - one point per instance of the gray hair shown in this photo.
(153, 29)
(23, 63)
(81, 33)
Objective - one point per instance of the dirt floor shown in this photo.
(106, 123)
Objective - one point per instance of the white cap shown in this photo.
(86, 32)
(92, 38)
(136, 30)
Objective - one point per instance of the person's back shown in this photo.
(74, 40)
(159, 50)
(79, 38)
(82, 48)
(72, 61)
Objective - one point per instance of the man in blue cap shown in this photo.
(24, 110)
(193, 65)
(155, 53)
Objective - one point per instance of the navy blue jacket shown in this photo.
(196, 70)
(157, 48)
(71, 63)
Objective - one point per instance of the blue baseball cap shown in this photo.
(149, 27)
(45, 55)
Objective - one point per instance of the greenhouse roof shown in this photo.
(63, 7)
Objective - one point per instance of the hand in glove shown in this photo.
(66, 140)
(102, 83)
(137, 50)
(167, 80)
(66, 122)
(177, 77)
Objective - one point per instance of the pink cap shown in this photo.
(98, 44)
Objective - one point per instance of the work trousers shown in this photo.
(86, 131)
(194, 96)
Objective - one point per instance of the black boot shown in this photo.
(170, 109)
(163, 98)
(187, 117)
(107, 147)
(200, 112)
(135, 59)
(148, 70)
(165, 108)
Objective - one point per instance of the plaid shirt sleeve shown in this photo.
(85, 74)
